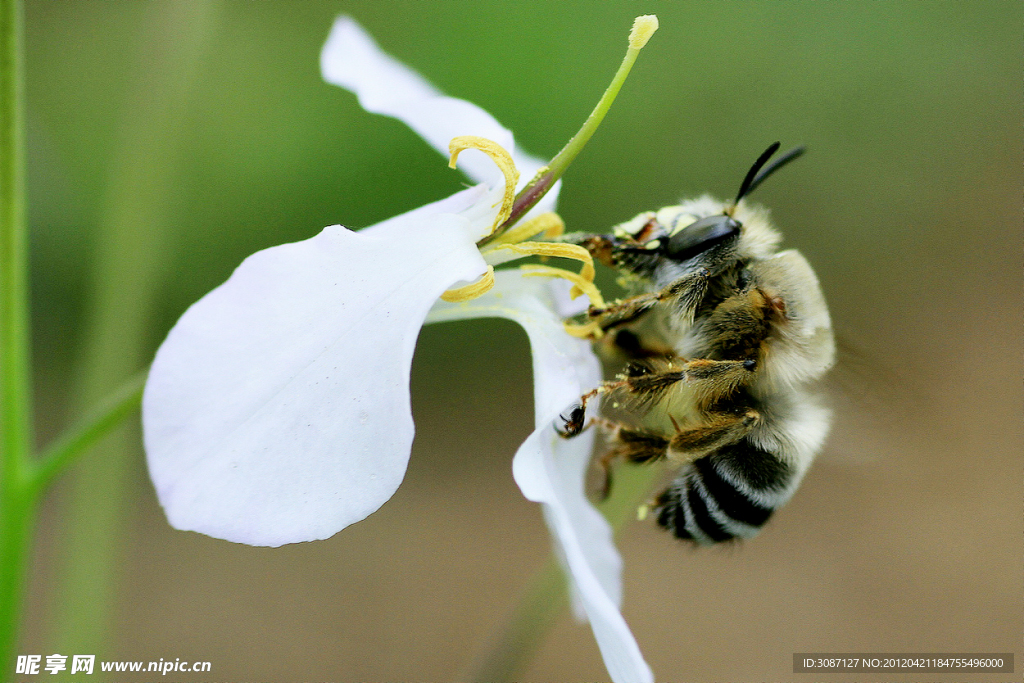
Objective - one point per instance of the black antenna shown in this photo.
(775, 166)
(757, 175)
(752, 173)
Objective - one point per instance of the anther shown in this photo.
(471, 291)
(550, 224)
(591, 330)
(583, 282)
(500, 157)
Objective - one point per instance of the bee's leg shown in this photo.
(647, 381)
(574, 420)
(717, 431)
(630, 445)
(638, 446)
(685, 294)
(623, 312)
(642, 382)
(740, 325)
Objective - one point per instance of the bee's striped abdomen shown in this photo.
(728, 494)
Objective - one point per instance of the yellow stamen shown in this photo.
(481, 286)
(548, 223)
(559, 250)
(580, 284)
(642, 511)
(589, 330)
(555, 230)
(500, 157)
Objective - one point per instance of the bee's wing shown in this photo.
(871, 400)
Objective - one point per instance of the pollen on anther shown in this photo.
(471, 291)
(501, 158)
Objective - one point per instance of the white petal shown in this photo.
(278, 410)
(351, 59)
(552, 470)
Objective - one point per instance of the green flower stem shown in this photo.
(546, 597)
(547, 176)
(16, 501)
(22, 492)
(16, 525)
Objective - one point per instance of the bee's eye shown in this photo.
(698, 237)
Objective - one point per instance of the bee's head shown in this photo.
(703, 232)
(707, 227)
(700, 236)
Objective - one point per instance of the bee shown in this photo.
(721, 341)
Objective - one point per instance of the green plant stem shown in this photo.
(16, 501)
(545, 598)
(547, 176)
(33, 476)
(22, 478)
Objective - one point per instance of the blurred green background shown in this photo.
(169, 140)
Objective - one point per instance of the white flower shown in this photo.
(277, 410)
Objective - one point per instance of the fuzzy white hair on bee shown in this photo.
(721, 342)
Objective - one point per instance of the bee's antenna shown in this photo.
(745, 187)
(775, 166)
(756, 175)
